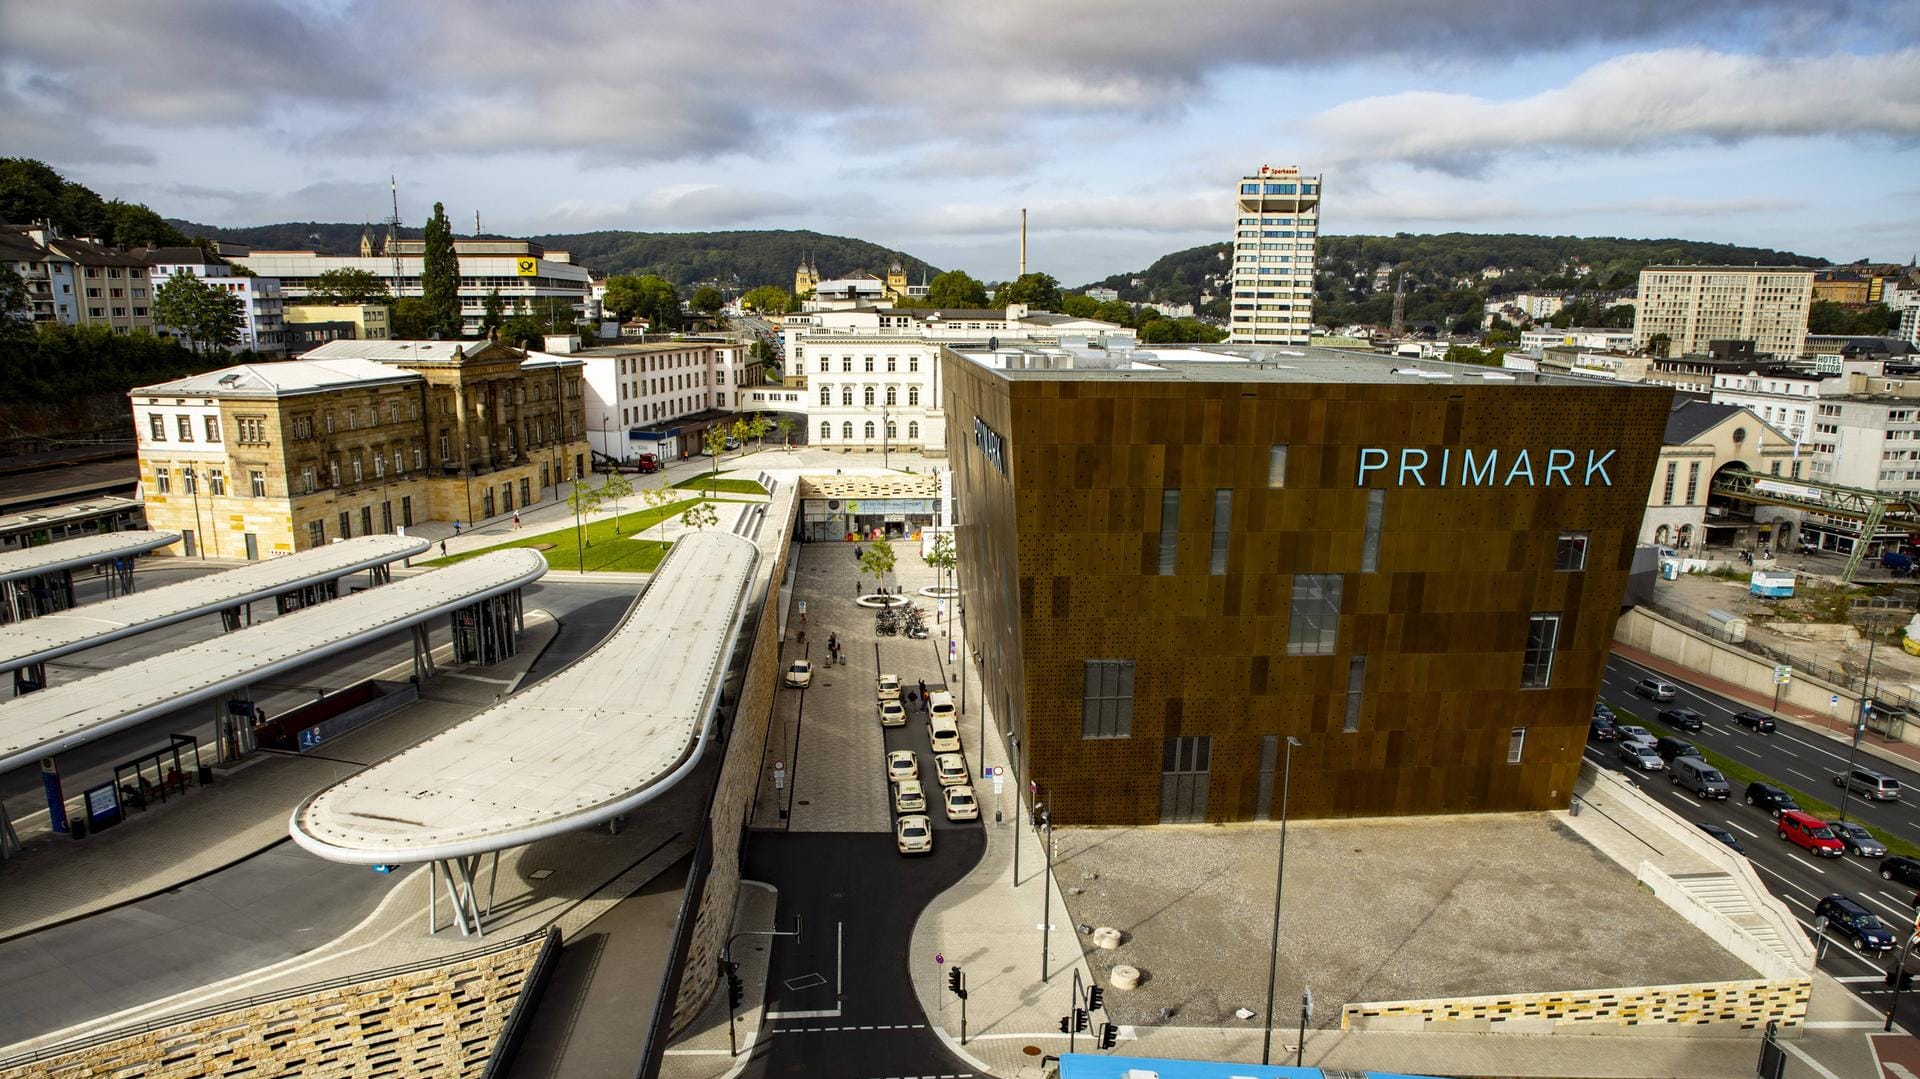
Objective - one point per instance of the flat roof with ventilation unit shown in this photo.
(609, 732)
(51, 636)
(84, 551)
(77, 712)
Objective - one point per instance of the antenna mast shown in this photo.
(393, 235)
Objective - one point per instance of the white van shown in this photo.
(944, 733)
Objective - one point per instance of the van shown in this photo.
(940, 706)
(1869, 784)
(944, 733)
(1703, 779)
(1810, 832)
(1655, 689)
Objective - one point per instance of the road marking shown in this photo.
(1842, 1024)
(815, 1013)
(1737, 828)
(1782, 878)
(1852, 978)
(1802, 775)
(839, 945)
(1899, 916)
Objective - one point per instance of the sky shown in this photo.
(1120, 125)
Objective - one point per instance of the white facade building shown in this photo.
(264, 328)
(658, 396)
(1907, 302)
(1598, 339)
(1276, 225)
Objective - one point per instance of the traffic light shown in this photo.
(736, 990)
(1096, 998)
(956, 983)
(1066, 1021)
(1108, 1035)
(1079, 1020)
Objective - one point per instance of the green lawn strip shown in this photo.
(731, 486)
(627, 551)
(1734, 770)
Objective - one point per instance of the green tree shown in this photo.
(785, 425)
(1037, 290)
(644, 296)
(31, 191)
(616, 487)
(707, 300)
(440, 276)
(409, 319)
(701, 516)
(209, 317)
(348, 286)
(956, 288)
(659, 498)
(1468, 354)
(715, 443)
(943, 557)
(876, 561)
(1119, 311)
(493, 315)
(760, 425)
(767, 300)
(584, 500)
(1080, 306)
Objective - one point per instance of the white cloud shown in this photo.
(679, 206)
(1640, 101)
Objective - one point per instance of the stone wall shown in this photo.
(1729, 1008)
(739, 774)
(444, 1021)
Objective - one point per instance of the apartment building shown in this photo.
(659, 396)
(355, 438)
(1276, 225)
(360, 322)
(77, 282)
(522, 271)
(1689, 306)
(263, 325)
(1589, 338)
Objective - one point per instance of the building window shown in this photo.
(1169, 531)
(913, 429)
(316, 533)
(846, 363)
(1370, 544)
(1673, 470)
(891, 362)
(1222, 521)
(1356, 686)
(1571, 554)
(1693, 480)
(823, 363)
(869, 395)
(826, 430)
(1313, 621)
(1796, 470)
(186, 428)
(826, 395)
(1516, 744)
(846, 396)
(869, 430)
(157, 426)
(216, 482)
(329, 423)
(307, 479)
(189, 481)
(1536, 663)
(258, 481)
(213, 428)
(1276, 466)
(846, 431)
(1106, 698)
(891, 391)
(366, 519)
(357, 474)
(162, 481)
(869, 366)
(913, 363)
(913, 395)
(346, 525)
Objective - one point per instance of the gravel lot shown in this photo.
(1374, 910)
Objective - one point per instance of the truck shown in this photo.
(649, 462)
(1896, 563)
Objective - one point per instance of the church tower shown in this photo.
(896, 280)
(807, 277)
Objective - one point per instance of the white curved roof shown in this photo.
(51, 636)
(85, 551)
(68, 715)
(611, 731)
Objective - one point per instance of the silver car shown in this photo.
(1639, 756)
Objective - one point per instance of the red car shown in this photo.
(1810, 832)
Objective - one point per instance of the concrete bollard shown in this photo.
(1107, 937)
(1125, 977)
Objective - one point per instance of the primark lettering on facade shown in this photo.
(1413, 467)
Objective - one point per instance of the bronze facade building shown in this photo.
(1172, 562)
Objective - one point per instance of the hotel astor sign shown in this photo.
(1414, 467)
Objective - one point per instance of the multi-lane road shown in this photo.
(1806, 761)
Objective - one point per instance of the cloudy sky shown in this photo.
(1121, 125)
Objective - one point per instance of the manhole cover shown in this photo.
(1031, 1050)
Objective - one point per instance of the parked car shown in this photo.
(961, 804)
(951, 769)
(1806, 830)
(1759, 721)
(913, 834)
(888, 687)
(1857, 839)
(1901, 868)
(1685, 719)
(1669, 748)
(943, 735)
(892, 714)
(1639, 755)
(1723, 836)
(799, 674)
(1628, 732)
(1868, 783)
(1654, 689)
(1855, 923)
(902, 764)
(1770, 798)
(909, 797)
(733, 443)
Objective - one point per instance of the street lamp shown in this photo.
(886, 438)
(1860, 721)
(1280, 879)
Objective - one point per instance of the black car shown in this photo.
(1855, 923)
(1901, 868)
(1759, 721)
(1669, 748)
(1857, 839)
(1723, 836)
(1685, 719)
(1603, 729)
(1770, 798)
(1601, 711)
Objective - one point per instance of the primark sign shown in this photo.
(1413, 467)
(990, 444)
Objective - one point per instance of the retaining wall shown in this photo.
(1729, 1008)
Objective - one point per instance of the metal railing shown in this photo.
(176, 1018)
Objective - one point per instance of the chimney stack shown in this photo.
(1023, 241)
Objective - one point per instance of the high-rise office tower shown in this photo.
(1276, 222)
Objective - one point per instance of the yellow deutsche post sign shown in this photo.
(526, 267)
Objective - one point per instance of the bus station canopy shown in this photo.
(85, 551)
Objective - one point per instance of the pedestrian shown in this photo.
(857, 553)
(923, 689)
(912, 701)
(516, 519)
(443, 548)
(833, 642)
(456, 526)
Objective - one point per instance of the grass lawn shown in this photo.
(1739, 775)
(731, 486)
(606, 551)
